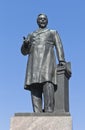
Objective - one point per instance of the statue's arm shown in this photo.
(59, 48)
(25, 48)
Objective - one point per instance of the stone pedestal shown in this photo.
(25, 122)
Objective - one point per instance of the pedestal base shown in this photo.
(41, 123)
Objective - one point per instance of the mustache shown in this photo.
(42, 22)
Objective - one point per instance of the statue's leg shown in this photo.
(36, 94)
(48, 92)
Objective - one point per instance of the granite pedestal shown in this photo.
(45, 122)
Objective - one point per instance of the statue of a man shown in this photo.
(41, 66)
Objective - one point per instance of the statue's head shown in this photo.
(42, 20)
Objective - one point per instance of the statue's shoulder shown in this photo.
(34, 32)
(53, 32)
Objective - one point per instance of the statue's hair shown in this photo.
(43, 14)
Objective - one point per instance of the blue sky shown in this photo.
(17, 19)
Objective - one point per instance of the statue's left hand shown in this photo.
(62, 63)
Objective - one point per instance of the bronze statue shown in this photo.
(41, 66)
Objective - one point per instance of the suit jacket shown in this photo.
(41, 65)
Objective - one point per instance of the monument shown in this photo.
(44, 79)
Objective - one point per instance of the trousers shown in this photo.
(43, 94)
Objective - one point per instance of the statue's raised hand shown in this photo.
(25, 42)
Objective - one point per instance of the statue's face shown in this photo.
(42, 21)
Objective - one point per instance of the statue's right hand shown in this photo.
(25, 42)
